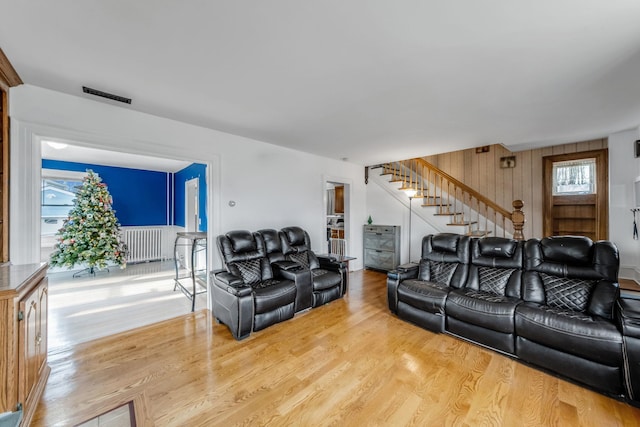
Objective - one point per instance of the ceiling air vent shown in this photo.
(111, 96)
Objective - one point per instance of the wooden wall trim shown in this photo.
(8, 75)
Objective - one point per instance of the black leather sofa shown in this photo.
(269, 276)
(552, 303)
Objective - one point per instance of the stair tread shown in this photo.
(447, 213)
(433, 204)
(463, 223)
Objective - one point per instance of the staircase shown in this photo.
(446, 196)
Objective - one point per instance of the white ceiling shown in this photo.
(79, 154)
(367, 80)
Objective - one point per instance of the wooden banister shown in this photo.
(453, 197)
(464, 187)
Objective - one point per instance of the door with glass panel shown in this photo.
(576, 193)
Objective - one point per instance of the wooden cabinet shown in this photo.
(8, 78)
(23, 332)
(381, 246)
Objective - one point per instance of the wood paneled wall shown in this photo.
(482, 172)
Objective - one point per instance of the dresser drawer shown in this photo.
(383, 260)
(385, 242)
(381, 229)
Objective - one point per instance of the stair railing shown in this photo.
(466, 206)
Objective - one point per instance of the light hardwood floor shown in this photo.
(347, 363)
(89, 307)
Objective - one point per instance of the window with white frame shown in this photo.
(574, 177)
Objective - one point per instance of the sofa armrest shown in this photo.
(331, 263)
(628, 316)
(394, 278)
(286, 265)
(404, 271)
(231, 283)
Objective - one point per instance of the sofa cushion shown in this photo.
(427, 296)
(301, 258)
(567, 249)
(272, 294)
(324, 279)
(577, 333)
(249, 270)
(494, 280)
(497, 247)
(437, 271)
(242, 241)
(491, 311)
(565, 293)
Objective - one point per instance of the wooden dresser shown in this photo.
(23, 334)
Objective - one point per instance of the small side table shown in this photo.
(197, 241)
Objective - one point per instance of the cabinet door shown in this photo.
(32, 340)
(29, 345)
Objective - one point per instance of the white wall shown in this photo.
(623, 169)
(272, 186)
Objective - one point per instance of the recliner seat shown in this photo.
(421, 294)
(566, 323)
(248, 297)
(326, 280)
(483, 311)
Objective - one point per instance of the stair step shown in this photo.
(425, 205)
(479, 233)
(463, 223)
(447, 213)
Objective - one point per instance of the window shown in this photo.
(57, 197)
(574, 177)
(57, 193)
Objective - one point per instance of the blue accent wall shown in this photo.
(140, 197)
(195, 170)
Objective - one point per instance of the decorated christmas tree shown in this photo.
(91, 234)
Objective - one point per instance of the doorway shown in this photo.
(192, 216)
(337, 217)
(143, 293)
(575, 194)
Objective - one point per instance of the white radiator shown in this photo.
(338, 246)
(143, 243)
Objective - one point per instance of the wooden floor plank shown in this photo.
(350, 362)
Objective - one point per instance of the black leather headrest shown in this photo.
(295, 235)
(242, 241)
(567, 249)
(445, 242)
(271, 240)
(497, 247)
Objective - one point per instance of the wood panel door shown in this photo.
(575, 194)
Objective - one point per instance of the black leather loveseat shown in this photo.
(553, 303)
(269, 276)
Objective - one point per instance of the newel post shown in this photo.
(518, 220)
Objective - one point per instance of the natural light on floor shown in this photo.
(89, 307)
